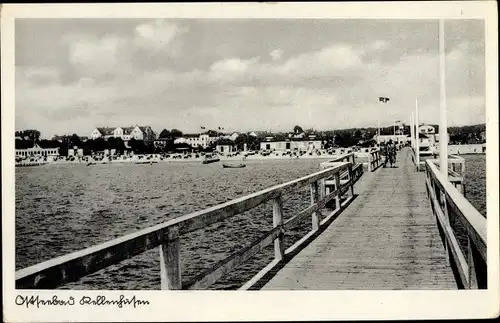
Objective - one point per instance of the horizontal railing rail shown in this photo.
(449, 205)
(71, 267)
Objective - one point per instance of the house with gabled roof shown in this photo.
(145, 133)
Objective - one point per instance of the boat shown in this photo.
(146, 162)
(90, 163)
(30, 164)
(210, 159)
(233, 165)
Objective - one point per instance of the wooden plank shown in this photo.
(211, 275)
(386, 239)
(71, 267)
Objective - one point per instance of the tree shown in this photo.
(241, 140)
(280, 137)
(138, 146)
(357, 134)
(74, 140)
(224, 141)
(310, 131)
(165, 134)
(212, 133)
(297, 129)
(32, 135)
(175, 133)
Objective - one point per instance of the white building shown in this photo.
(37, 151)
(427, 130)
(224, 149)
(125, 133)
(197, 140)
(397, 139)
(291, 144)
(234, 136)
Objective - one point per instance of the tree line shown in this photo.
(329, 138)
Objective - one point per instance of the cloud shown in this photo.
(276, 54)
(94, 57)
(159, 36)
(379, 45)
(132, 78)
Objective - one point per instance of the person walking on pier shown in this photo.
(384, 152)
(391, 153)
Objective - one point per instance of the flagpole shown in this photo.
(443, 129)
(412, 132)
(378, 128)
(417, 137)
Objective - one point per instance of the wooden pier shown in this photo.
(387, 228)
(386, 239)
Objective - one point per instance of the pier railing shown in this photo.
(450, 206)
(55, 272)
(456, 171)
(374, 160)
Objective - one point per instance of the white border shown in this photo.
(220, 306)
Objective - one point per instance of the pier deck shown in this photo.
(386, 239)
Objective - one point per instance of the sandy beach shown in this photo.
(178, 158)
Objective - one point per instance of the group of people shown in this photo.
(389, 153)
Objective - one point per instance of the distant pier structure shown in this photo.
(383, 228)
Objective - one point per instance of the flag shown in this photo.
(383, 99)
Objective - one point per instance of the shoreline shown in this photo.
(157, 160)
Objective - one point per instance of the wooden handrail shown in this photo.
(449, 204)
(73, 266)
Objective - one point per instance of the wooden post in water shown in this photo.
(279, 245)
(170, 264)
(315, 216)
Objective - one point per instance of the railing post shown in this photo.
(279, 245)
(472, 279)
(351, 179)
(315, 216)
(170, 264)
(369, 161)
(337, 187)
(444, 204)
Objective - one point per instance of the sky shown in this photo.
(73, 75)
